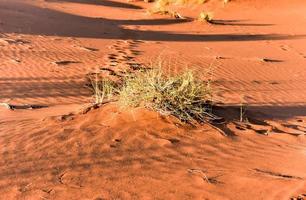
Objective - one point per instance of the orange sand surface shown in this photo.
(256, 50)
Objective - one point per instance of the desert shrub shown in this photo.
(183, 95)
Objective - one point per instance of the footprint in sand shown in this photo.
(287, 48)
(65, 62)
(117, 140)
(270, 60)
(256, 82)
(122, 57)
(284, 47)
(174, 140)
(274, 83)
(71, 179)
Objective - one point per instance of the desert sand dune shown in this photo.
(52, 148)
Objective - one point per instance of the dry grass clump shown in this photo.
(173, 14)
(103, 89)
(162, 7)
(205, 17)
(183, 95)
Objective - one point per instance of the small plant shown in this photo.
(173, 14)
(161, 7)
(205, 17)
(243, 109)
(104, 89)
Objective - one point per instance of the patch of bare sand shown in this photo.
(137, 154)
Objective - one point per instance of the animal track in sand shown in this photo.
(265, 82)
(290, 48)
(121, 58)
(65, 62)
(284, 47)
(71, 179)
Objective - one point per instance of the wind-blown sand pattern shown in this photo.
(51, 147)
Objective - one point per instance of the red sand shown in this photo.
(258, 52)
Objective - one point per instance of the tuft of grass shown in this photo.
(184, 95)
(205, 17)
(104, 89)
(161, 7)
(173, 14)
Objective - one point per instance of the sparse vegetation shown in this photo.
(103, 89)
(173, 14)
(161, 7)
(206, 17)
(184, 95)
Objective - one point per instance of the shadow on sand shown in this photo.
(109, 3)
(26, 18)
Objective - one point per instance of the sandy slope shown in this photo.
(48, 46)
